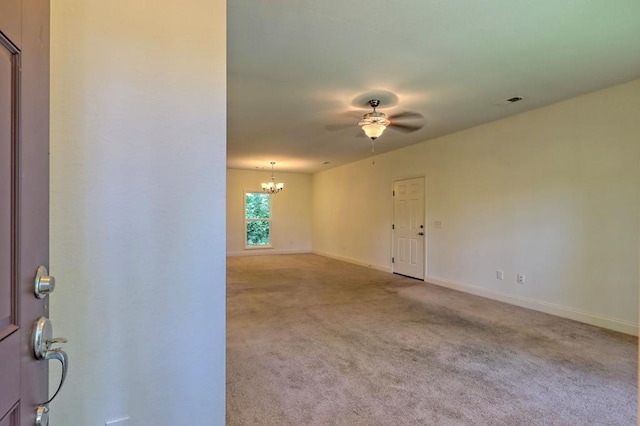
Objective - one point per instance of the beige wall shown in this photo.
(138, 117)
(291, 209)
(553, 193)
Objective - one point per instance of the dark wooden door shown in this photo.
(24, 202)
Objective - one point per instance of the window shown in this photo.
(257, 214)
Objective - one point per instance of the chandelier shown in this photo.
(272, 187)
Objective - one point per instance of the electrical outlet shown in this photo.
(500, 274)
(122, 421)
(520, 278)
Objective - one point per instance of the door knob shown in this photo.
(45, 283)
(420, 233)
(42, 342)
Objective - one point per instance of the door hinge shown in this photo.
(393, 260)
(393, 226)
(394, 193)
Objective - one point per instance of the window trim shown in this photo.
(246, 220)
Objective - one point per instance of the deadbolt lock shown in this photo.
(44, 283)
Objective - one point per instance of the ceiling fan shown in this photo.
(374, 123)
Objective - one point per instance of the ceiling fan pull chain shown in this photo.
(373, 152)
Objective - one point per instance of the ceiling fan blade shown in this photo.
(405, 128)
(406, 116)
(340, 126)
(351, 114)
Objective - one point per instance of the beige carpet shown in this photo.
(314, 341)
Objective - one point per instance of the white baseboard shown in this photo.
(264, 252)
(352, 260)
(622, 326)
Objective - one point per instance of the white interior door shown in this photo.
(409, 231)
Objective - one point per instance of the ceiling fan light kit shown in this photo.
(373, 130)
(374, 123)
(272, 187)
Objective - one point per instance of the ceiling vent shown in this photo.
(507, 102)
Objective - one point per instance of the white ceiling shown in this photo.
(295, 67)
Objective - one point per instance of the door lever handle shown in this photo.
(42, 350)
(61, 356)
(42, 411)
